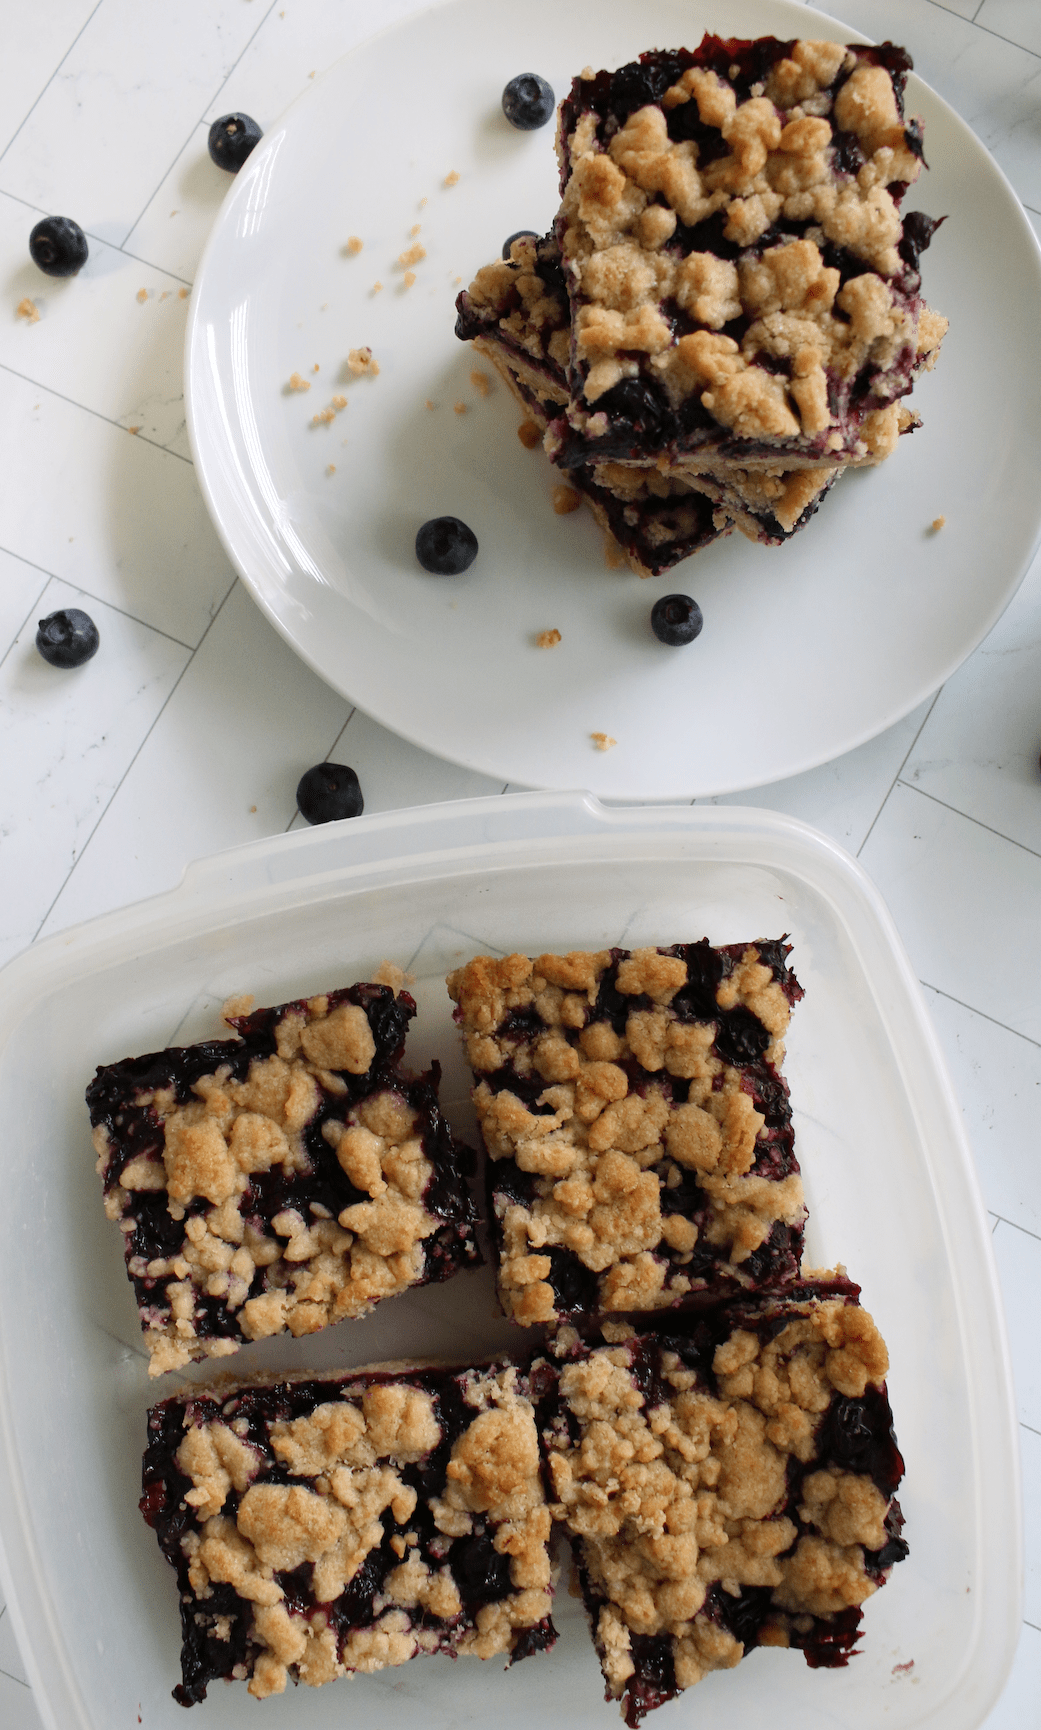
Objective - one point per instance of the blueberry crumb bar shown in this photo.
(638, 1127)
(284, 1179)
(327, 1527)
(728, 1482)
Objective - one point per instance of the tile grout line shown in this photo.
(99, 240)
(900, 770)
(85, 409)
(53, 577)
(996, 34)
(10, 647)
(982, 1012)
(1023, 1228)
(101, 815)
(989, 827)
(244, 50)
(86, 23)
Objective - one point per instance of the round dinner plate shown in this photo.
(807, 650)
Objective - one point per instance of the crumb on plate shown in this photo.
(547, 639)
(27, 309)
(603, 741)
(565, 500)
(529, 434)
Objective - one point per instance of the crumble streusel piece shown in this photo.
(728, 1483)
(741, 283)
(638, 1128)
(285, 1179)
(325, 1527)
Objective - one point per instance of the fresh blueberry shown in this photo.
(58, 245)
(231, 139)
(521, 234)
(329, 792)
(676, 619)
(446, 546)
(527, 101)
(67, 638)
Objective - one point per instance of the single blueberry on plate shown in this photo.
(527, 101)
(445, 546)
(521, 234)
(231, 139)
(67, 638)
(58, 245)
(328, 793)
(676, 619)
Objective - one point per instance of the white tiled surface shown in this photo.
(104, 106)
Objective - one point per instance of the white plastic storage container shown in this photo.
(889, 1181)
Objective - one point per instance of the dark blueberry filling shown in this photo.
(655, 1679)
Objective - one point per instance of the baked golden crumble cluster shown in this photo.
(638, 1127)
(326, 1528)
(282, 1180)
(729, 289)
(728, 1483)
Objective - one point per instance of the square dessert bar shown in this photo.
(742, 286)
(639, 1131)
(325, 1527)
(515, 314)
(727, 1483)
(287, 1178)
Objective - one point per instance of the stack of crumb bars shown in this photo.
(727, 310)
(707, 1424)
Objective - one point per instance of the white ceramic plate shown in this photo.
(889, 1181)
(807, 650)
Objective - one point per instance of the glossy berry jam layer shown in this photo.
(324, 1526)
(286, 1178)
(641, 1151)
(728, 1482)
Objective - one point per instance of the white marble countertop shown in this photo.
(166, 746)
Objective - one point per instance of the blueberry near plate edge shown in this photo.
(329, 793)
(230, 140)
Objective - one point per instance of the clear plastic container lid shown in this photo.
(889, 1181)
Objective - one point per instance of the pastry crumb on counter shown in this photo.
(375, 289)
(389, 973)
(451, 178)
(183, 293)
(330, 468)
(362, 360)
(408, 279)
(429, 404)
(133, 429)
(27, 309)
(459, 407)
(481, 382)
(937, 524)
(142, 295)
(565, 500)
(412, 254)
(323, 417)
(354, 245)
(547, 639)
(603, 741)
(529, 434)
(416, 226)
(298, 383)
